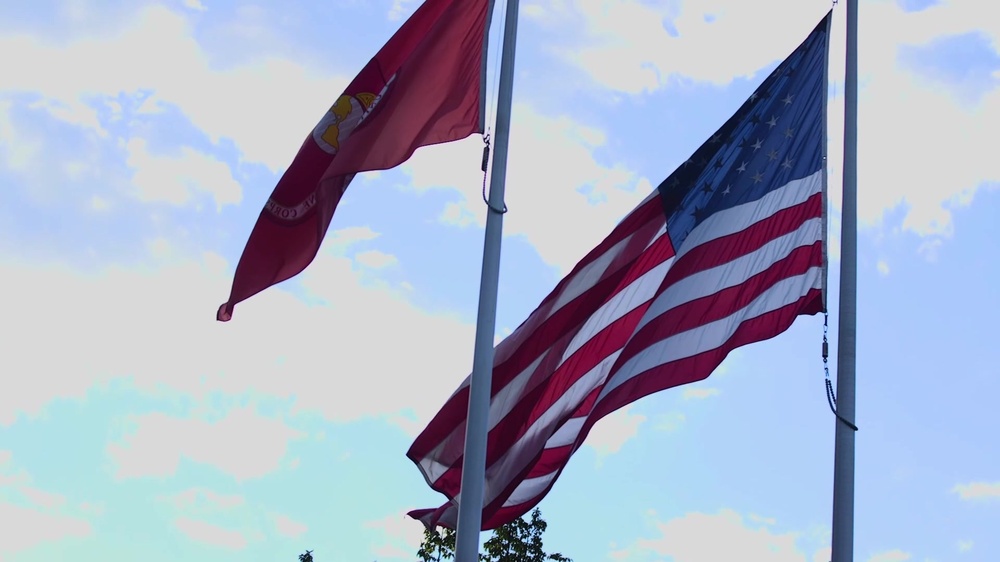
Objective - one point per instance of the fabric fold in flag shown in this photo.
(424, 87)
(728, 250)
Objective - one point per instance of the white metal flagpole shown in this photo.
(470, 508)
(843, 464)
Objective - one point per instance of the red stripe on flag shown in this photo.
(699, 367)
(716, 306)
(727, 248)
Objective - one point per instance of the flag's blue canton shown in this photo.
(776, 136)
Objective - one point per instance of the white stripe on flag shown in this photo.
(566, 435)
(732, 273)
(741, 217)
(714, 334)
(624, 302)
(529, 489)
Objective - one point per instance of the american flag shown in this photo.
(727, 251)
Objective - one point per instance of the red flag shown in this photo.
(727, 251)
(423, 87)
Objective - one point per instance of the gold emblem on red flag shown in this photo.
(337, 123)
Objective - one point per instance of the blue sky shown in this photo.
(139, 140)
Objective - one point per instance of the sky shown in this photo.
(140, 139)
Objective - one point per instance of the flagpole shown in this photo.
(843, 464)
(470, 508)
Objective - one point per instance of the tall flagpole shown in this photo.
(843, 464)
(470, 508)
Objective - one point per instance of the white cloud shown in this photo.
(965, 546)
(552, 179)
(532, 10)
(670, 422)
(898, 163)
(978, 491)
(401, 536)
(41, 498)
(288, 527)
(33, 517)
(195, 5)
(9, 476)
(883, 268)
(156, 325)
(338, 241)
(98, 509)
(890, 556)
(41, 284)
(155, 50)
(929, 249)
(930, 170)
(375, 259)
(159, 442)
(194, 497)
(77, 11)
(160, 248)
(702, 537)
(700, 393)
(762, 520)
(17, 152)
(175, 178)
(399, 9)
(209, 533)
(610, 433)
(72, 114)
(457, 214)
(626, 46)
(26, 528)
(198, 510)
(43, 163)
(98, 204)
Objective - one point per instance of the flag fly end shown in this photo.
(225, 313)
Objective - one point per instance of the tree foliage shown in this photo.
(517, 541)
(437, 546)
